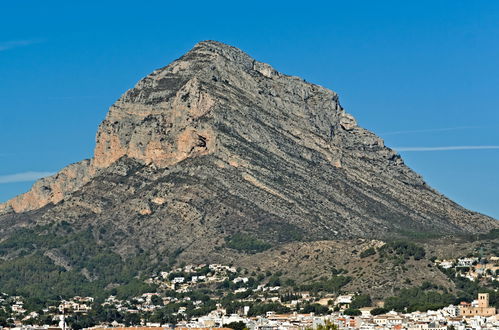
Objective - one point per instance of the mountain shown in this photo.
(217, 156)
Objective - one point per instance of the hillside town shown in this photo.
(473, 268)
(182, 300)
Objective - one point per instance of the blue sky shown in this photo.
(424, 75)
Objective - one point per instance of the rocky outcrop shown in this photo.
(217, 143)
(160, 127)
(51, 189)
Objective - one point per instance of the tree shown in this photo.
(274, 281)
(379, 311)
(261, 309)
(352, 312)
(419, 299)
(78, 323)
(156, 300)
(132, 319)
(361, 300)
(315, 308)
(236, 325)
(3, 321)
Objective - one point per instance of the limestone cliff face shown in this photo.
(217, 142)
(170, 116)
(161, 132)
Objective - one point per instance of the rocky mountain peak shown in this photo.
(161, 121)
(226, 53)
(174, 112)
(231, 53)
(258, 146)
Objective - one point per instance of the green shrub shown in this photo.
(236, 325)
(362, 300)
(352, 312)
(333, 284)
(317, 309)
(419, 299)
(366, 253)
(379, 311)
(262, 309)
(246, 243)
(404, 250)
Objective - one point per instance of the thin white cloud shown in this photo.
(59, 98)
(444, 129)
(6, 45)
(448, 148)
(24, 177)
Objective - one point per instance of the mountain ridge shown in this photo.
(217, 101)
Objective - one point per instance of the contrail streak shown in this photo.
(447, 148)
(24, 177)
